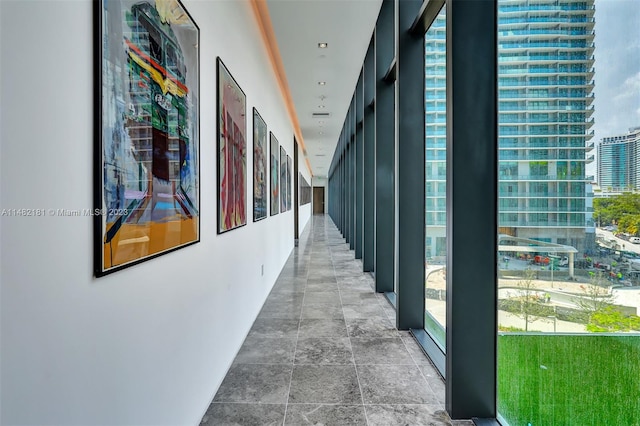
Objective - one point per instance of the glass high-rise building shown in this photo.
(546, 81)
(618, 161)
(435, 137)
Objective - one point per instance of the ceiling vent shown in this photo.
(321, 114)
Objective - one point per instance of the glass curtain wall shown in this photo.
(435, 179)
(568, 342)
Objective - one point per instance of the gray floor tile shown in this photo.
(267, 350)
(371, 327)
(363, 278)
(291, 276)
(324, 350)
(355, 287)
(320, 279)
(380, 351)
(435, 382)
(322, 287)
(295, 273)
(265, 384)
(221, 414)
(394, 384)
(327, 415)
(324, 316)
(414, 415)
(311, 327)
(348, 271)
(288, 288)
(291, 281)
(340, 276)
(281, 310)
(314, 298)
(285, 298)
(363, 311)
(320, 264)
(351, 298)
(274, 327)
(322, 311)
(391, 314)
(324, 384)
(416, 352)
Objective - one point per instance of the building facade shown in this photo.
(546, 80)
(618, 160)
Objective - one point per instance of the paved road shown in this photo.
(624, 244)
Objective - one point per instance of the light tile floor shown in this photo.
(324, 351)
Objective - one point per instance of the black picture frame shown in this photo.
(231, 151)
(289, 183)
(147, 154)
(305, 190)
(283, 180)
(274, 173)
(260, 168)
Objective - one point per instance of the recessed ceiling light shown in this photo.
(320, 106)
(322, 83)
(320, 122)
(323, 45)
(321, 133)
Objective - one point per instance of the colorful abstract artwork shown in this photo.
(283, 180)
(289, 184)
(147, 199)
(260, 196)
(232, 152)
(275, 174)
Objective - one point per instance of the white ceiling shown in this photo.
(347, 27)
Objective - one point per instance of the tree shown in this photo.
(531, 309)
(596, 296)
(629, 223)
(623, 209)
(611, 320)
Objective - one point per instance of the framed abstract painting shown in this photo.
(305, 190)
(260, 195)
(283, 180)
(232, 152)
(147, 174)
(275, 174)
(289, 184)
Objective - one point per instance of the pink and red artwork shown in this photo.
(232, 152)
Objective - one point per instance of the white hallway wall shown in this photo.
(149, 344)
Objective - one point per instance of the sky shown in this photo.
(617, 64)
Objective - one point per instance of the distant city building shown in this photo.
(619, 162)
(599, 192)
(545, 58)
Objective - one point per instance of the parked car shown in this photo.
(634, 240)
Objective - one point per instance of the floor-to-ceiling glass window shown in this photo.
(568, 291)
(435, 179)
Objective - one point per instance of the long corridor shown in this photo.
(324, 351)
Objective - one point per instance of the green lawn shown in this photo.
(565, 380)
